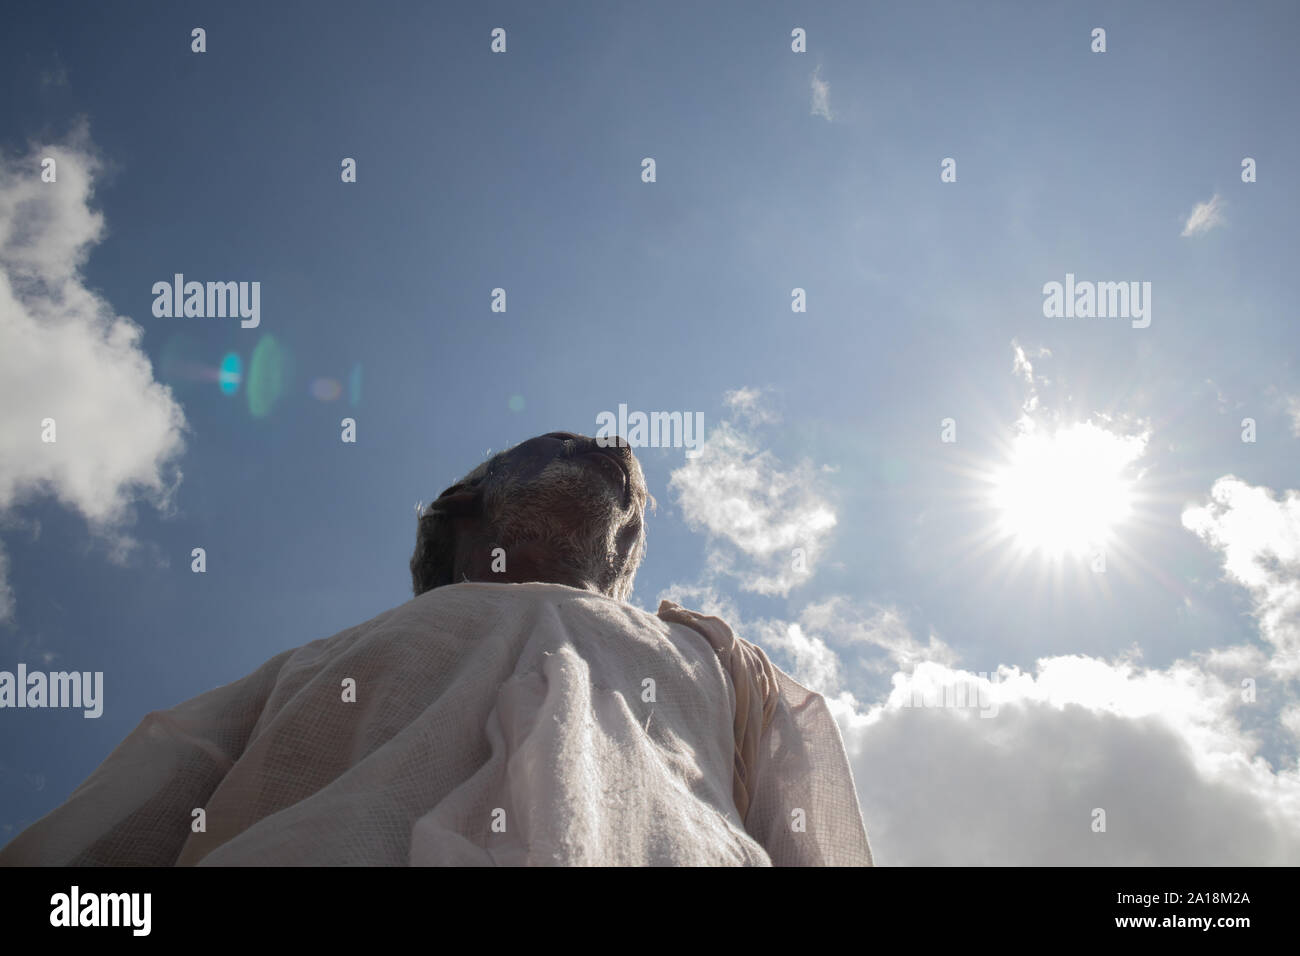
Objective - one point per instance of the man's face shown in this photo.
(578, 506)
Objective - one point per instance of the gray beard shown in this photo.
(571, 511)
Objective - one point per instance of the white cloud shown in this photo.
(755, 511)
(1204, 217)
(1289, 718)
(68, 357)
(945, 786)
(821, 95)
(1259, 538)
(1163, 752)
(1293, 409)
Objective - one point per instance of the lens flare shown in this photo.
(326, 389)
(183, 359)
(230, 374)
(267, 377)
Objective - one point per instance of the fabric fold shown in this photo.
(489, 724)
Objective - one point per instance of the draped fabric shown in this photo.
(480, 724)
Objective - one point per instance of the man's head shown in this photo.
(561, 509)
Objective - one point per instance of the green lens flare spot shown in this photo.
(267, 375)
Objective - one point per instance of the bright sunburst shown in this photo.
(1065, 492)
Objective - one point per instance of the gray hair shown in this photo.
(515, 512)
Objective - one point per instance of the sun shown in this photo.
(1065, 492)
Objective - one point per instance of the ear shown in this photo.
(458, 501)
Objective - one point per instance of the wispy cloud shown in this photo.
(7, 602)
(56, 75)
(1024, 370)
(1204, 217)
(1293, 409)
(747, 405)
(766, 521)
(821, 95)
(881, 630)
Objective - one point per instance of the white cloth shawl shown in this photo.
(492, 724)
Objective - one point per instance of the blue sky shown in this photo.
(775, 170)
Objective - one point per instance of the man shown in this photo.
(516, 711)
